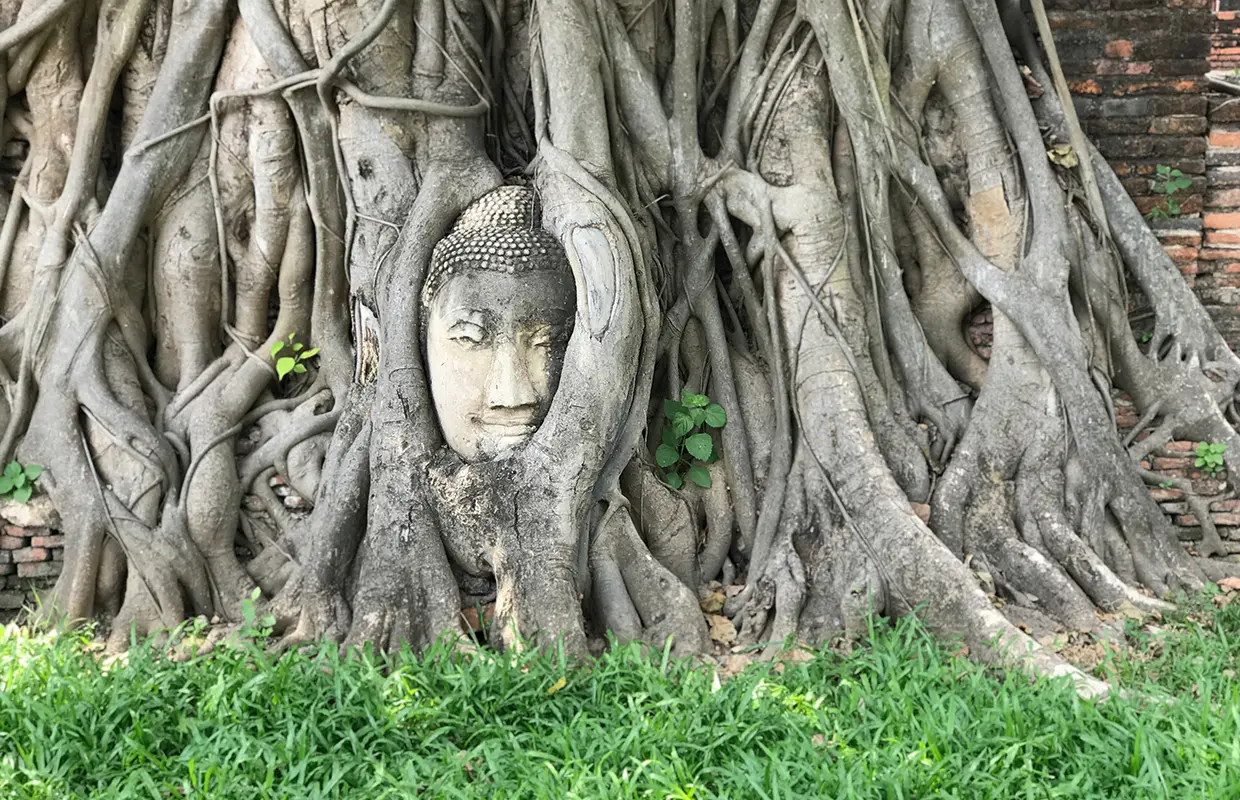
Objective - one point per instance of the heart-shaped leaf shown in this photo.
(311, 353)
(284, 366)
(695, 400)
(276, 348)
(6, 484)
(12, 469)
(682, 424)
(699, 475)
(22, 494)
(674, 480)
(33, 471)
(666, 456)
(672, 407)
(700, 446)
(716, 417)
(299, 368)
(669, 437)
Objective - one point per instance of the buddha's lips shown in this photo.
(509, 428)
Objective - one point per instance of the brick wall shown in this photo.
(31, 552)
(1137, 68)
(1225, 50)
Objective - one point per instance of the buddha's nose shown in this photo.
(509, 382)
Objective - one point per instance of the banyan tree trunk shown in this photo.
(575, 308)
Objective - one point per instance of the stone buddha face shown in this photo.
(496, 330)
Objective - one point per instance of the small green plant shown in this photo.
(1165, 484)
(1145, 337)
(687, 447)
(294, 362)
(1210, 457)
(253, 626)
(1168, 182)
(17, 482)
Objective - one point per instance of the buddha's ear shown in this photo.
(591, 252)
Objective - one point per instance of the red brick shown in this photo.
(1225, 505)
(1085, 87)
(1107, 67)
(1161, 463)
(1180, 447)
(45, 569)
(1163, 495)
(1182, 255)
(51, 540)
(1219, 253)
(30, 554)
(1120, 48)
(1224, 138)
(12, 542)
(1221, 220)
(1222, 237)
(1183, 125)
(1223, 198)
(1178, 238)
(1226, 518)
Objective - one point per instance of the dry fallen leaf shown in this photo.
(557, 686)
(721, 629)
(713, 602)
(1063, 155)
(797, 654)
(735, 664)
(1032, 87)
(1229, 585)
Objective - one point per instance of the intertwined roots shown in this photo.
(790, 207)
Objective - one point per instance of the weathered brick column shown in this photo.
(1225, 53)
(31, 551)
(1137, 69)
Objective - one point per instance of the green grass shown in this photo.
(900, 718)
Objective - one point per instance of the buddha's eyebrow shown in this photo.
(547, 317)
(471, 316)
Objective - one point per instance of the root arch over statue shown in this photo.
(788, 207)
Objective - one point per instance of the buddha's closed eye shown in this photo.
(545, 337)
(469, 334)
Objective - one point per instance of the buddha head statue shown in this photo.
(498, 307)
